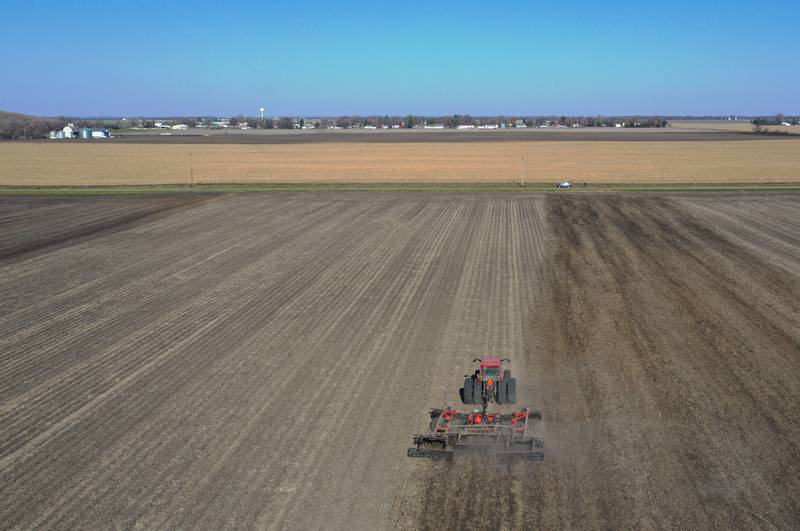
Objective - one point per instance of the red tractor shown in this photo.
(490, 383)
(506, 435)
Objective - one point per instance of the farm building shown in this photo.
(180, 127)
(68, 131)
(88, 133)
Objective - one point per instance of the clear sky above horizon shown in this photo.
(177, 58)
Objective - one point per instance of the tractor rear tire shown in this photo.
(511, 390)
(477, 391)
(502, 393)
(466, 391)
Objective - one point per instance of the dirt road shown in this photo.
(262, 360)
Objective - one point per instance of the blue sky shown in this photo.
(125, 58)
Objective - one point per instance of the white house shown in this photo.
(69, 131)
(180, 127)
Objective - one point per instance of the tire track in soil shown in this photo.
(502, 270)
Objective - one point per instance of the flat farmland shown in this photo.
(732, 126)
(45, 163)
(262, 360)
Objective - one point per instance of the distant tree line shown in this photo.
(19, 126)
(778, 119)
(453, 121)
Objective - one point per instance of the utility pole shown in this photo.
(191, 170)
(522, 172)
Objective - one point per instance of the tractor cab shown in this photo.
(490, 369)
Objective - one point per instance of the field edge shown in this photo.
(465, 187)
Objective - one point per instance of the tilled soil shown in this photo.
(263, 360)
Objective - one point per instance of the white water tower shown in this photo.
(261, 112)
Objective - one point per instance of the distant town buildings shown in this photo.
(102, 128)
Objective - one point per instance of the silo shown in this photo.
(86, 133)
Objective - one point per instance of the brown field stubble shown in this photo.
(739, 126)
(53, 164)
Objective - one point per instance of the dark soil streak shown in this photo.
(663, 279)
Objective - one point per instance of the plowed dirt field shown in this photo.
(262, 360)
